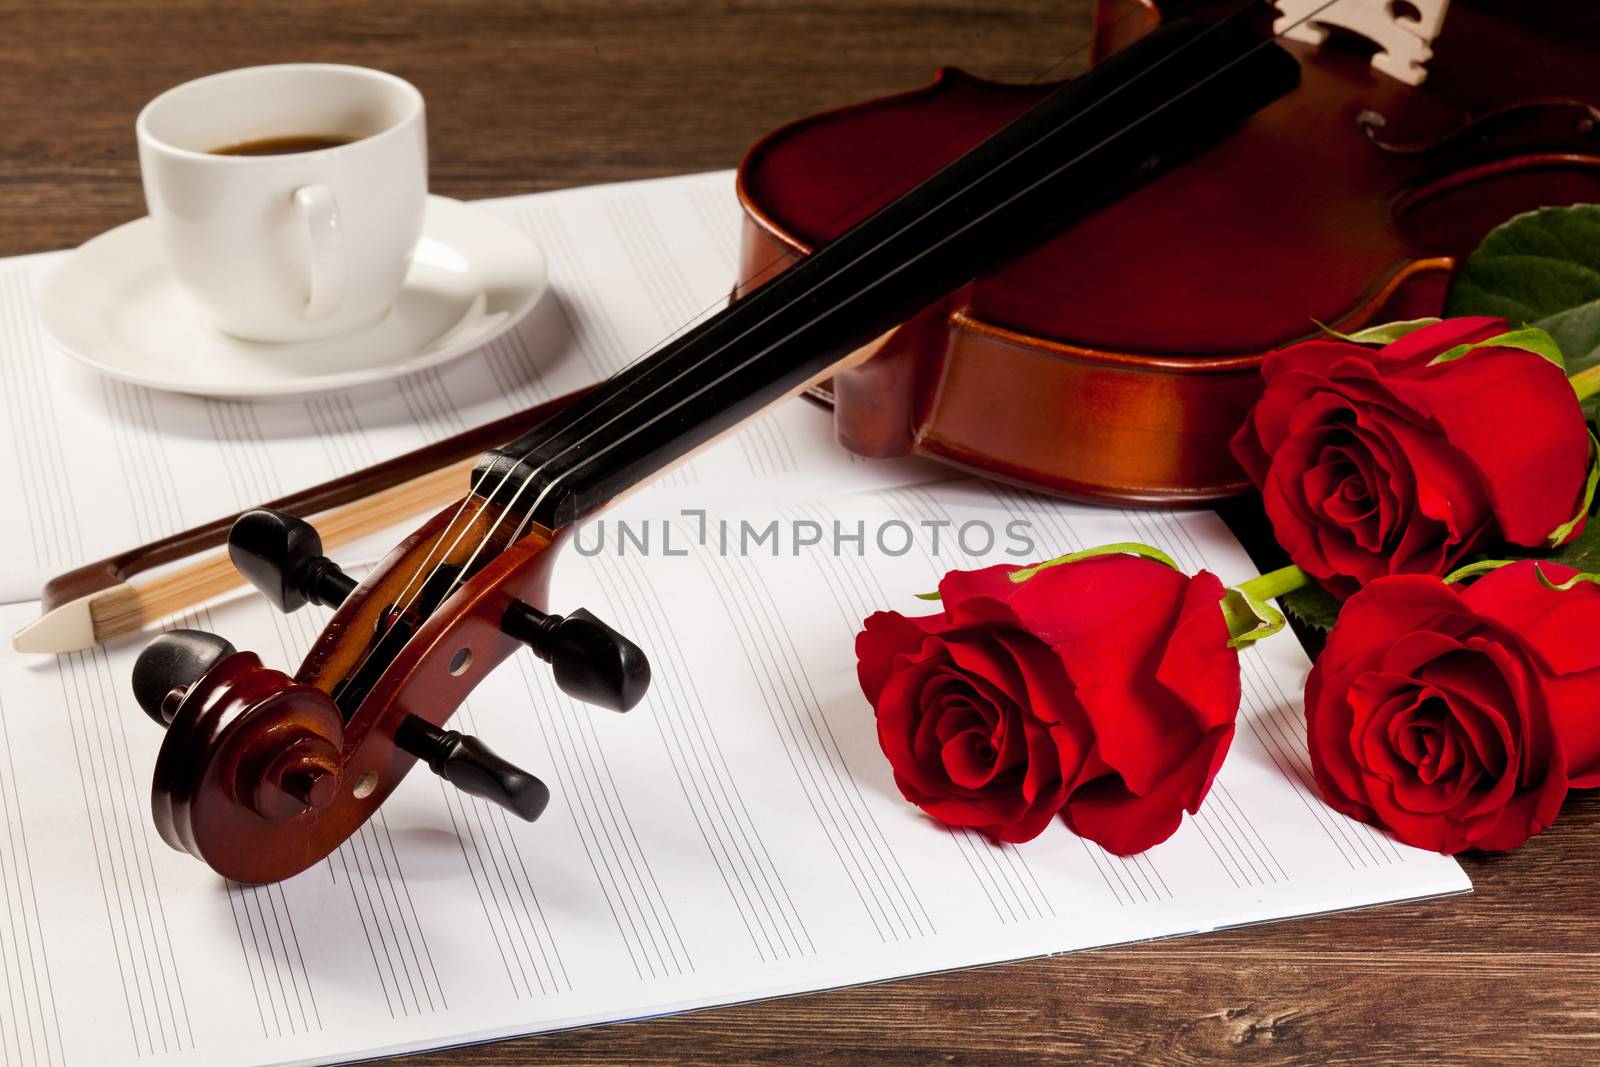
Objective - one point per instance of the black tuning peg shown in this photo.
(592, 662)
(282, 557)
(170, 664)
(472, 767)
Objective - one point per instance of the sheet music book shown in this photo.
(736, 836)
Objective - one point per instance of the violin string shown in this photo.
(888, 182)
(559, 422)
(550, 486)
(444, 545)
(509, 507)
(976, 220)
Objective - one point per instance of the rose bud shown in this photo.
(1102, 688)
(1408, 458)
(1457, 717)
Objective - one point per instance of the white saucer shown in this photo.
(116, 305)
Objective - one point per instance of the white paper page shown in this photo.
(737, 835)
(94, 466)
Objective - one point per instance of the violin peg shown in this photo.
(282, 557)
(592, 662)
(473, 767)
(172, 663)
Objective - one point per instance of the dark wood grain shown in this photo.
(532, 96)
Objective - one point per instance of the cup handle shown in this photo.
(316, 205)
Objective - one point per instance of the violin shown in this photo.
(262, 774)
(1114, 362)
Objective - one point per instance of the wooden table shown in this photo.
(526, 96)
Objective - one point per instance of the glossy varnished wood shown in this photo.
(243, 735)
(1125, 350)
(526, 96)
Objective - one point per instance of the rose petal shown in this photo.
(1111, 647)
(1515, 418)
(1328, 725)
(1558, 626)
(885, 637)
(1197, 666)
(1124, 822)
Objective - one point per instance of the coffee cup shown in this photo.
(288, 198)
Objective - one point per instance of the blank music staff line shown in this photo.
(142, 457)
(158, 1016)
(500, 875)
(689, 740)
(35, 435)
(593, 334)
(517, 373)
(261, 913)
(641, 912)
(864, 853)
(29, 1022)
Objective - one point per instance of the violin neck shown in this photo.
(1173, 93)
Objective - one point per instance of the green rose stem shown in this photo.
(1274, 584)
(1247, 608)
(1586, 383)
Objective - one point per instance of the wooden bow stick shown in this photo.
(99, 600)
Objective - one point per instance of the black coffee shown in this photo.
(282, 146)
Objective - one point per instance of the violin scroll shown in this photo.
(248, 754)
(184, 678)
(262, 775)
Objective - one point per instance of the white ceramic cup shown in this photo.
(290, 247)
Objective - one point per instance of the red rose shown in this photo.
(1458, 717)
(1102, 689)
(1372, 462)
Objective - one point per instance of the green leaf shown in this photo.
(929, 596)
(1380, 335)
(1541, 268)
(1313, 605)
(1530, 339)
(1564, 531)
(1121, 548)
(1249, 618)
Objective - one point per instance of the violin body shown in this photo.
(1114, 362)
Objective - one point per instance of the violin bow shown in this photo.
(93, 603)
